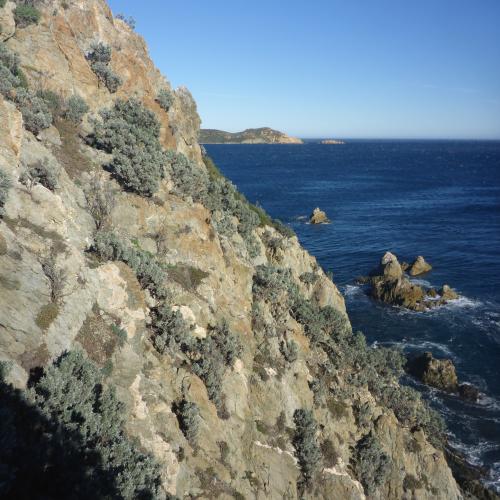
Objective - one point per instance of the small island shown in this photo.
(332, 141)
(264, 135)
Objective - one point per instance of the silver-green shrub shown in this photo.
(165, 99)
(40, 172)
(306, 445)
(130, 132)
(76, 107)
(188, 415)
(99, 57)
(5, 185)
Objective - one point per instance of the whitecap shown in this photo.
(421, 282)
(426, 345)
(463, 302)
(351, 290)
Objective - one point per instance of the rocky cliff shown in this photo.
(263, 135)
(227, 345)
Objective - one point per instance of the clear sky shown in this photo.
(350, 68)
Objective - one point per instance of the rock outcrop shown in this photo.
(318, 217)
(441, 374)
(389, 284)
(419, 266)
(205, 330)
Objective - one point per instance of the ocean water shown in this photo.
(440, 199)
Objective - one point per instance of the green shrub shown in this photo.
(8, 82)
(371, 464)
(76, 107)
(188, 415)
(150, 274)
(170, 330)
(67, 428)
(270, 282)
(306, 445)
(129, 21)
(2, 3)
(309, 278)
(188, 178)
(54, 102)
(213, 355)
(99, 57)
(100, 197)
(290, 350)
(25, 15)
(130, 132)
(165, 99)
(40, 172)
(5, 185)
(35, 111)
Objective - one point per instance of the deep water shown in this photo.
(440, 199)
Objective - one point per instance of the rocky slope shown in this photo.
(263, 135)
(289, 403)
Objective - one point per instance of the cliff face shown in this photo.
(263, 135)
(251, 448)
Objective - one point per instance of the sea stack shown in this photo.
(318, 217)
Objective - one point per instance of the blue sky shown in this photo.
(351, 68)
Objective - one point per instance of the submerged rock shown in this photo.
(318, 217)
(468, 392)
(439, 373)
(419, 266)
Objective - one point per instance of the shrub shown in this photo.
(100, 198)
(57, 277)
(71, 395)
(129, 21)
(40, 172)
(371, 464)
(188, 415)
(290, 350)
(188, 178)
(36, 113)
(131, 133)
(54, 102)
(25, 15)
(213, 355)
(149, 273)
(165, 99)
(270, 282)
(76, 108)
(170, 330)
(99, 57)
(305, 443)
(5, 185)
(309, 278)
(2, 3)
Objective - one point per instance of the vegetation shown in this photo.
(100, 198)
(305, 443)
(5, 185)
(99, 57)
(35, 111)
(150, 274)
(128, 20)
(2, 3)
(371, 464)
(25, 14)
(40, 172)
(76, 108)
(66, 429)
(170, 330)
(165, 99)
(188, 415)
(130, 132)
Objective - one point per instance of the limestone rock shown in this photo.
(419, 266)
(448, 293)
(318, 217)
(7, 23)
(439, 373)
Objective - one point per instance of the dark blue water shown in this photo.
(437, 199)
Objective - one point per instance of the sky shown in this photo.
(332, 68)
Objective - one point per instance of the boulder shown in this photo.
(419, 266)
(448, 293)
(318, 217)
(468, 392)
(439, 373)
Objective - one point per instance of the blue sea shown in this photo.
(439, 199)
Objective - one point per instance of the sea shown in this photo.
(439, 199)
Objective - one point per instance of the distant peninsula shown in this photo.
(264, 135)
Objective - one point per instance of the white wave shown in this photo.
(463, 302)
(421, 282)
(426, 345)
(351, 290)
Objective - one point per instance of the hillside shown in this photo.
(263, 135)
(160, 337)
